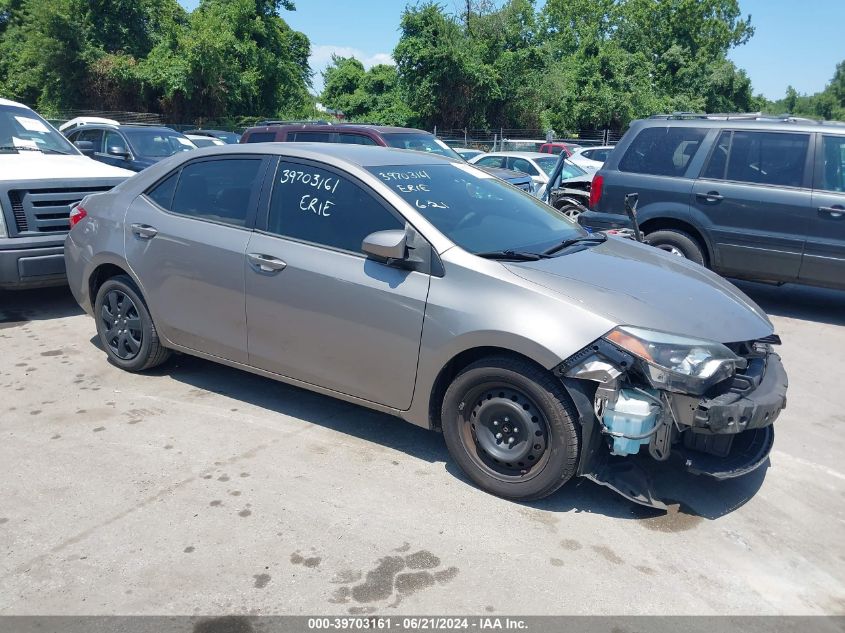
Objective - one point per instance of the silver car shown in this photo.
(422, 287)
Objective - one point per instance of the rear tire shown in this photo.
(125, 327)
(677, 243)
(511, 427)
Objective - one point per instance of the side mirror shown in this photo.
(86, 147)
(117, 150)
(386, 245)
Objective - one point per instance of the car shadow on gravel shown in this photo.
(20, 306)
(819, 305)
(691, 496)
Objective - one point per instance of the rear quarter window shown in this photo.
(261, 137)
(662, 151)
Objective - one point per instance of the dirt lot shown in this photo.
(201, 489)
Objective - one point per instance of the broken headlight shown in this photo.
(675, 362)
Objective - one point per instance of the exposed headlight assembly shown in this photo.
(675, 362)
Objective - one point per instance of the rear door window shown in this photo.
(218, 190)
(491, 161)
(832, 172)
(356, 139)
(768, 158)
(662, 151)
(520, 164)
(95, 137)
(311, 137)
(261, 137)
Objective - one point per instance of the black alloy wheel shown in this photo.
(122, 325)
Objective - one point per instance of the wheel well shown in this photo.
(453, 368)
(659, 224)
(101, 274)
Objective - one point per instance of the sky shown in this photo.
(796, 44)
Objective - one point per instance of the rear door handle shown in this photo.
(710, 196)
(265, 263)
(144, 231)
(836, 212)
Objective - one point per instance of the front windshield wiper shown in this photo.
(516, 256)
(55, 151)
(593, 237)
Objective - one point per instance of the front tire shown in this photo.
(677, 243)
(511, 427)
(125, 327)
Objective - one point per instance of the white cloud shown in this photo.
(321, 56)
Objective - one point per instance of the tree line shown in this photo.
(225, 59)
(568, 65)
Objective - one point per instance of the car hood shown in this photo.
(504, 174)
(635, 284)
(588, 178)
(38, 166)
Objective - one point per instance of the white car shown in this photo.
(591, 158)
(201, 140)
(42, 175)
(67, 126)
(538, 166)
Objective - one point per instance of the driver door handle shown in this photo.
(710, 196)
(836, 212)
(144, 231)
(265, 263)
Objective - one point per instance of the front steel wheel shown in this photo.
(511, 427)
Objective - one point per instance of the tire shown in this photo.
(570, 211)
(677, 243)
(499, 393)
(132, 342)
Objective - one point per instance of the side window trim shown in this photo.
(252, 211)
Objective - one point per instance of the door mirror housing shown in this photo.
(117, 150)
(86, 147)
(386, 245)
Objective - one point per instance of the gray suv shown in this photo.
(423, 287)
(748, 197)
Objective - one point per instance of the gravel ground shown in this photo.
(201, 489)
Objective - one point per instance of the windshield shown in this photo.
(571, 170)
(420, 142)
(157, 143)
(23, 130)
(479, 212)
(547, 164)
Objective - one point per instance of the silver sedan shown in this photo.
(423, 287)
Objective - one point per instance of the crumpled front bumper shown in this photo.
(724, 436)
(755, 400)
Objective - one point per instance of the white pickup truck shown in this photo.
(41, 175)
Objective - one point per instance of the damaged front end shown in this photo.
(644, 393)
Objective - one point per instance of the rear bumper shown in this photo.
(31, 262)
(595, 221)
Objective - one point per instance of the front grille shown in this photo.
(46, 210)
(18, 212)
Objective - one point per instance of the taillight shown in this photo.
(595, 190)
(76, 215)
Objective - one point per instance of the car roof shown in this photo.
(519, 154)
(737, 123)
(360, 155)
(123, 126)
(338, 127)
(8, 102)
